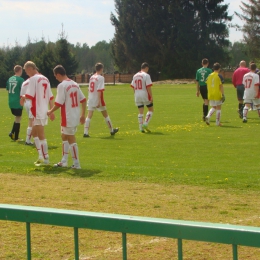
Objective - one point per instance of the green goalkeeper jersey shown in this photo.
(13, 86)
(202, 75)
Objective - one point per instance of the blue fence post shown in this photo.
(28, 240)
(76, 243)
(124, 244)
(180, 257)
(235, 255)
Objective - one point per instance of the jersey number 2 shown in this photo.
(74, 99)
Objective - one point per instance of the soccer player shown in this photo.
(69, 96)
(13, 86)
(142, 84)
(215, 94)
(26, 104)
(201, 76)
(237, 81)
(39, 95)
(251, 93)
(96, 100)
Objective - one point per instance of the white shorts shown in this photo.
(143, 103)
(214, 103)
(28, 109)
(97, 108)
(255, 101)
(68, 130)
(42, 122)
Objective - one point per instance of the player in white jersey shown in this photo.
(39, 95)
(96, 100)
(27, 107)
(68, 99)
(251, 93)
(143, 96)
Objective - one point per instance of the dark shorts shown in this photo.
(17, 111)
(150, 105)
(204, 92)
(240, 91)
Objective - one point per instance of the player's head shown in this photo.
(145, 67)
(18, 70)
(253, 67)
(59, 73)
(205, 62)
(30, 68)
(99, 67)
(242, 64)
(216, 66)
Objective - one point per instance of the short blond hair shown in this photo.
(17, 68)
(30, 64)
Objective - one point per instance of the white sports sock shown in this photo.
(28, 134)
(218, 115)
(75, 154)
(109, 124)
(87, 125)
(140, 120)
(245, 111)
(211, 111)
(148, 117)
(37, 143)
(44, 148)
(65, 151)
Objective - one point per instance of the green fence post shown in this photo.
(235, 255)
(76, 243)
(179, 249)
(28, 240)
(124, 244)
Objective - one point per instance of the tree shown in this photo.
(3, 69)
(238, 51)
(172, 35)
(251, 28)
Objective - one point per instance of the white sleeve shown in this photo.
(31, 89)
(60, 98)
(101, 84)
(148, 81)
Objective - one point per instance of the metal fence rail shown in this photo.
(188, 230)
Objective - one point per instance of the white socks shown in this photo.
(28, 134)
(218, 116)
(109, 124)
(87, 124)
(211, 111)
(44, 148)
(75, 154)
(65, 151)
(148, 117)
(140, 120)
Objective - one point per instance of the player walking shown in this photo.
(39, 95)
(251, 93)
(13, 86)
(142, 84)
(26, 105)
(201, 76)
(96, 100)
(215, 94)
(69, 95)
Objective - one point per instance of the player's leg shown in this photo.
(218, 115)
(211, 111)
(141, 117)
(87, 123)
(74, 150)
(17, 127)
(204, 95)
(240, 95)
(108, 121)
(148, 117)
(65, 149)
(245, 111)
(29, 132)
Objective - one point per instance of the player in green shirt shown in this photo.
(201, 76)
(13, 86)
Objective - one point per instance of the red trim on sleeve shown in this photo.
(57, 104)
(83, 100)
(148, 86)
(132, 86)
(101, 90)
(28, 96)
(52, 98)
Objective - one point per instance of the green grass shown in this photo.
(180, 150)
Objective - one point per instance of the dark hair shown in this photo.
(253, 66)
(99, 66)
(205, 61)
(216, 66)
(59, 69)
(144, 65)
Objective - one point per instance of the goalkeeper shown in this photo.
(215, 94)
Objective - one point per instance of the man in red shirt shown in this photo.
(237, 81)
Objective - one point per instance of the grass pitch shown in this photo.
(184, 169)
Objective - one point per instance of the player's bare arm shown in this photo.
(83, 112)
(256, 91)
(52, 106)
(198, 89)
(149, 90)
(99, 99)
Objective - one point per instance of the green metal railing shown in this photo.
(180, 230)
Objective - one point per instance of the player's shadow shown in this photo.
(155, 133)
(112, 137)
(230, 126)
(50, 147)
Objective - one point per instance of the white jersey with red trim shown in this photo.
(141, 81)
(250, 80)
(39, 91)
(69, 96)
(96, 84)
(24, 87)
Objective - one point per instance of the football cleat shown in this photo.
(145, 127)
(142, 131)
(207, 120)
(42, 162)
(240, 114)
(75, 166)
(204, 118)
(60, 164)
(86, 135)
(11, 135)
(244, 120)
(115, 130)
(30, 143)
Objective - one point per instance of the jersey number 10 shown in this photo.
(138, 84)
